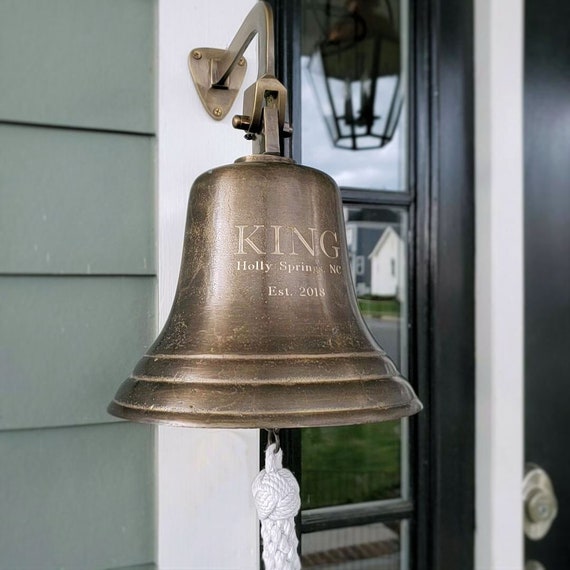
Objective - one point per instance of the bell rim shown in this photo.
(261, 405)
(265, 420)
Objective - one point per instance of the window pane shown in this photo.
(379, 546)
(353, 82)
(352, 464)
(377, 249)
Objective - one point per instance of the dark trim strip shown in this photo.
(344, 516)
(74, 128)
(112, 421)
(444, 468)
(420, 277)
(375, 197)
(88, 275)
(143, 566)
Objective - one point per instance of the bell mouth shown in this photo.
(272, 420)
(266, 393)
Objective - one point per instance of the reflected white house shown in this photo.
(387, 271)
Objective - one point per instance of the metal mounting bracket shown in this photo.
(218, 75)
(217, 99)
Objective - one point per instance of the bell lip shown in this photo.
(321, 419)
(268, 419)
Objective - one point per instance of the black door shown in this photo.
(547, 264)
(396, 496)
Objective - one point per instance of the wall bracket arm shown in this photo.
(218, 75)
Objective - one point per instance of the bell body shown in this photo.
(265, 330)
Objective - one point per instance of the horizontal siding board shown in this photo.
(66, 343)
(76, 202)
(77, 498)
(150, 566)
(82, 63)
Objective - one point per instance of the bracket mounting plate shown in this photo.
(202, 63)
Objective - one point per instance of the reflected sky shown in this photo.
(376, 169)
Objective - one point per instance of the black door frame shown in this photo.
(442, 341)
(546, 261)
(445, 282)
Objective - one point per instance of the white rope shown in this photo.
(277, 499)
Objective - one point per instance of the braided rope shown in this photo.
(277, 499)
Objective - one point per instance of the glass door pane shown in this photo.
(378, 546)
(354, 127)
(354, 87)
(352, 464)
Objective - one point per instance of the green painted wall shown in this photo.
(77, 281)
(76, 497)
(97, 186)
(81, 63)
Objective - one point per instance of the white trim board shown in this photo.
(499, 283)
(206, 517)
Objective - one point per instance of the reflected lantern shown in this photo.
(355, 70)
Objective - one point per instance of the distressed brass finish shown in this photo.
(218, 101)
(265, 330)
(218, 73)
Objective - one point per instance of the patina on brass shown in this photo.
(265, 330)
(218, 73)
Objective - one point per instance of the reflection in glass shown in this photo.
(353, 464)
(379, 546)
(350, 464)
(356, 71)
(353, 91)
(376, 239)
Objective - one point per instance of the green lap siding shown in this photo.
(66, 343)
(76, 202)
(80, 63)
(151, 566)
(76, 498)
(77, 281)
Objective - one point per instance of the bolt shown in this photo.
(217, 112)
(197, 54)
(241, 61)
(241, 122)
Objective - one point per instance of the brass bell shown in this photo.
(265, 330)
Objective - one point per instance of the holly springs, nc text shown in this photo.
(290, 241)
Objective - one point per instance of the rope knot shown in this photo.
(275, 489)
(277, 498)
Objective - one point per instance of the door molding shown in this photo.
(443, 177)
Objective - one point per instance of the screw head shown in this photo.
(241, 61)
(197, 54)
(217, 111)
